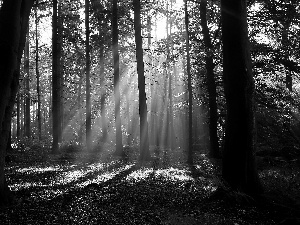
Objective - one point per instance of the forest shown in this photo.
(150, 112)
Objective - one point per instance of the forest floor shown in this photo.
(97, 188)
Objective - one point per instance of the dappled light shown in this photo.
(166, 112)
(80, 189)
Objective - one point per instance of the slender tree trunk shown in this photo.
(60, 67)
(144, 139)
(238, 157)
(190, 91)
(119, 145)
(152, 140)
(79, 108)
(37, 73)
(171, 121)
(22, 116)
(103, 91)
(56, 117)
(165, 110)
(211, 85)
(168, 77)
(14, 17)
(88, 85)
(27, 82)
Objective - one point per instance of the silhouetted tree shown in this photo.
(190, 91)
(27, 88)
(88, 85)
(14, 17)
(211, 85)
(144, 139)
(238, 157)
(56, 82)
(37, 71)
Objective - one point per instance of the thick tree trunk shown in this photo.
(211, 85)
(14, 17)
(144, 139)
(119, 145)
(238, 159)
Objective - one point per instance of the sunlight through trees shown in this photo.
(159, 84)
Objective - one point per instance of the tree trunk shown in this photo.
(144, 139)
(37, 74)
(211, 85)
(119, 145)
(79, 107)
(60, 67)
(171, 133)
(88, 85)
(14, 17)
(238, 159)
(56, 117)
(152, 131)
(27, 82)
(103, 94)
(190, 91)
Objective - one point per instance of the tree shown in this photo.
(14, 17)
(56, 82)
(37, 72)
(103, 91)
(211, 85)
(27, 82)
(88, 94)
(60, 67)
(238, 157)
(190, 91)
(115, 47)
(144, 139)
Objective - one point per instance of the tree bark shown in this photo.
(14, 17)
(37, 73)
(144, 139)
(238, 158)
(56, 117)
(171, 133)
(190, 91)
(88, 85)
(211, 85)
(60, 67)
(27, 86)
(103, 94)
(119, 145)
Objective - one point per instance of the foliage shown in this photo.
(80, 190)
